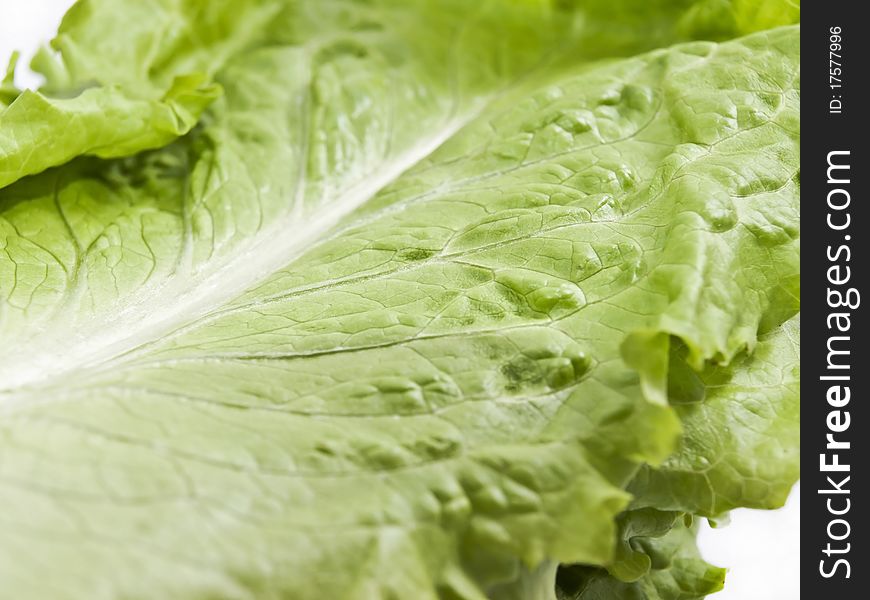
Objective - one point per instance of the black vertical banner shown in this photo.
(835, 420)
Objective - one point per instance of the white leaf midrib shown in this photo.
(160, 309)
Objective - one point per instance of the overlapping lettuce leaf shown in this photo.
(739, 448)
(415, 311)
(675, 572)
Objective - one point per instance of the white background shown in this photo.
(759, 547)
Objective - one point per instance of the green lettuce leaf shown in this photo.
(739, 448)
(676, 571)
(741, 437)
(404, 315)
(123, 77)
